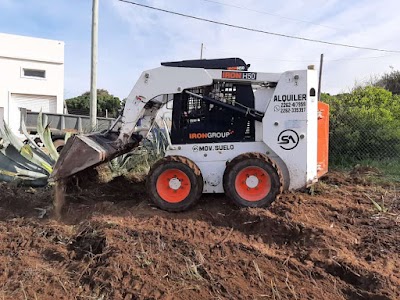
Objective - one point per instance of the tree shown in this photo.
(105, 101)
(390, 81)
(123, 102)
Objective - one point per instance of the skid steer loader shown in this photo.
(249, 134)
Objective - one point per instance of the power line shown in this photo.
(361, 58)
(329, 60)
(259, 30)
(270, 14)
(306, 60)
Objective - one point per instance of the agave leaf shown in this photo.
(36, 159)
(155, 140)
(26, 151)
(17, 171)
(31, 174)
(23, 173)
(45, 136)
(8, 173)
(43, 154)
(380, 208)
(22, 180)
(48, 142)
(163, 142)
(167, 135)
(67, 136)
(140, 159)
(377, 206)
(161, 139)
(10, 158)
(120, 163)
(39, 125)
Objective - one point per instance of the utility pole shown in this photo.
(320, 76)
(93, 71)
(201, 51)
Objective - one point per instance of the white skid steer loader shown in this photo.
(249, 134)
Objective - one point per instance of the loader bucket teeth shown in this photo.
(85, 151)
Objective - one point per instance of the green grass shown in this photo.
(389, 168)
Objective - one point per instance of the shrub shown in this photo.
(364, 124)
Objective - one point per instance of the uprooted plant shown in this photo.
(30, 162)
(139, 161)
(25, 162)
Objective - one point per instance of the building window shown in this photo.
(32, 73)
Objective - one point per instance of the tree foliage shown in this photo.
(364, 124)
(105, 101)
(390, 81)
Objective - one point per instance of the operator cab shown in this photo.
(195, 120)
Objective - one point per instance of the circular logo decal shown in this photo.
(288, 139)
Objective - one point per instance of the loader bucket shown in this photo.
(85, 151)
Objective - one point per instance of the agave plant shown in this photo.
(140, 159)
(28, 163)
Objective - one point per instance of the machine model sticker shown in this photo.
(292, 103)
(210, 135)
(237, 68)
(239, 75)
(199, 148)
(288, 139)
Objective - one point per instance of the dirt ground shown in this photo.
(329, 242)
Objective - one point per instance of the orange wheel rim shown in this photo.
(253, 183)
(173, 185)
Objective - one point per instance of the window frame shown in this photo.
(33, 77)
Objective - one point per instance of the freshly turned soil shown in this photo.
(112, 243)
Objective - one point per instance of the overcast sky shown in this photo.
(133, 39)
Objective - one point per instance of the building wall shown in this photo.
(19, 52)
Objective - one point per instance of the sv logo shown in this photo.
(288, 139)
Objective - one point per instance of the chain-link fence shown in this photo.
(365, 129)
(354, 140)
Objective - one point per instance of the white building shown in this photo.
(31, 76)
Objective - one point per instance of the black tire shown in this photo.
(184, 165)
(234, 187)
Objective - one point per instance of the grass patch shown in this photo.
(379, 171)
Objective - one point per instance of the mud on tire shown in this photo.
(252, 180)
(174, 183)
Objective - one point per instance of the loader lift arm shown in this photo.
(142, 105)
(251, 113)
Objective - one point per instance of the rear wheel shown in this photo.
(252, 180)
(174, 183)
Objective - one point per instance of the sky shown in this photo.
(133, 39)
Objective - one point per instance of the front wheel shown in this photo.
(252, 180)
(174, 183)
